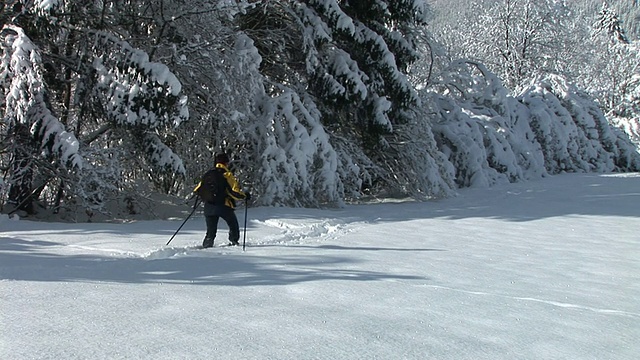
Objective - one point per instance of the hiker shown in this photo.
(219, 191)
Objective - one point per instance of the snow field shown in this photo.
(539, 270)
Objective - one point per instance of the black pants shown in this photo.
(229, 216)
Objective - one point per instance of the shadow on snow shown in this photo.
(560, 195)
(20, 260)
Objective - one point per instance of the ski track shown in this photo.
(113, 252)
(291, 233)
(169, 252)
(531, 299)
(274, 232)
(286, 233)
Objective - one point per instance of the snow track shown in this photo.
(297, 232)
(273, 232)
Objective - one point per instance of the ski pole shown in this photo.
(195, 206)
(244, 239)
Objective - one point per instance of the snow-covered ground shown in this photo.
(547, 269)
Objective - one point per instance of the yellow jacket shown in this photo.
(234, 192)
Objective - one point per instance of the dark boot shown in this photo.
(207, 243)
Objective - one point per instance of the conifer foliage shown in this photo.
(72, 86)
(609, 22)
(31, 128)
(348, 63)
(357, 56)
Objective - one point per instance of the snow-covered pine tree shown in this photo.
(348, 61)
(609, 22)
(34, 140)
(357, 55)
(215, 63)
(109, 94)
(613, 61)
(626, 114)
(286, 147)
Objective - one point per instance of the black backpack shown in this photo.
(213, 187)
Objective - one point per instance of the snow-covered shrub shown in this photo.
(491, 137)
(483, 132)
(573, 131)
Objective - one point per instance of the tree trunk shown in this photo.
(21, 172)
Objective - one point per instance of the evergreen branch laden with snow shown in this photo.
(25, 98)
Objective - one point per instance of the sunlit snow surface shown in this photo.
(548, 269)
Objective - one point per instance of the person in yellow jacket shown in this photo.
(223, 204)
